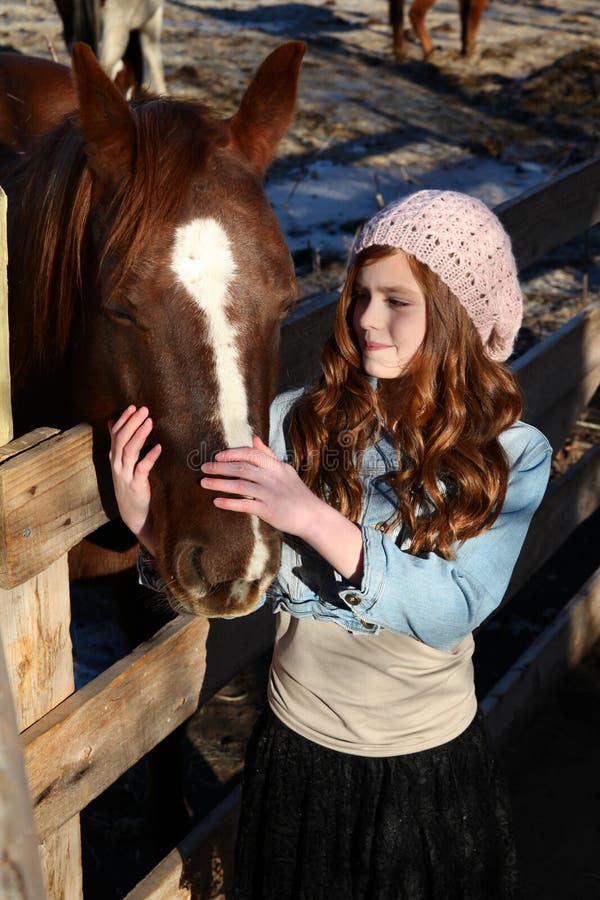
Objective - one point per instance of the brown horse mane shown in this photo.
(53, 212)
(171, 141)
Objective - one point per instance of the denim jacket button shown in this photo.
(352, 599)
(366, 624)
(380, 526)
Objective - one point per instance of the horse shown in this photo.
(26, 111)
(147, 266)
(470, 15)
(124, 36)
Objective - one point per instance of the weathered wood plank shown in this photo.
(21, 877)
(202, 864)
(34, 628)
(558, 419)
(83, 745)
(26, 442)
(6, 423)
(302, 337)
(520, 693)
(545, 217)
(61, 862)
(556, 364)
(569, 501)
(559, 375)
(48, 501)
(40, 658)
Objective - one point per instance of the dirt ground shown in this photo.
(525, 107)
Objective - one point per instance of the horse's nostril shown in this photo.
(195, 561)
(188, 570)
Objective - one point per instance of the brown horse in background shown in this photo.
(35, 94)
(146, 266)
(470, 15)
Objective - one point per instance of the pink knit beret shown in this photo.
(463, 242)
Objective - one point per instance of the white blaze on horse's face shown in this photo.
(204, 265)
(203, 262)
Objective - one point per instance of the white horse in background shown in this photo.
(124, 35)
(120, 17)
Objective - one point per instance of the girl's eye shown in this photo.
(396, 303)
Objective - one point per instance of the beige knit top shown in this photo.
(398, 695)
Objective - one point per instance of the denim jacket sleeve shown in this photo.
(439, 601)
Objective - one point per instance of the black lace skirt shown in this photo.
(320, 825)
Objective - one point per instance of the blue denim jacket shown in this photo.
(434, 600)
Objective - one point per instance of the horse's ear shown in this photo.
(267, 107)
(105, 119)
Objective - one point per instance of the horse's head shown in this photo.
(194, 279)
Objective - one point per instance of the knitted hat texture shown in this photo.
(463, 242)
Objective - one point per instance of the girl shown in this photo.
(403, 484)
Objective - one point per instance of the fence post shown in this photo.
(20, 872)
(34, 631)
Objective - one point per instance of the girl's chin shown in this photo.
(378, 371)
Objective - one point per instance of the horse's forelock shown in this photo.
(173, 140)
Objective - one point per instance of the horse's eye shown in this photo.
(119, 313)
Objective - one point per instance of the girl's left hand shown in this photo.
(269, 489)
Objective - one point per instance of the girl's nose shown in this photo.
(369, 317)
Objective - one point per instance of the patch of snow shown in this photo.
(322, 208)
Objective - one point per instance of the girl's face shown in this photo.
(389, 315)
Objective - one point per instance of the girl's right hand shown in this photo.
(130, 473)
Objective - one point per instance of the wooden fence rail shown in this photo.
(49, 500)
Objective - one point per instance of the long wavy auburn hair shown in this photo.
(446, 412)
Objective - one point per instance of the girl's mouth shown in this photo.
(371, 346)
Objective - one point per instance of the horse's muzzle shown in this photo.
(217, 587)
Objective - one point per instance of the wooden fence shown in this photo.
(75, 744)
